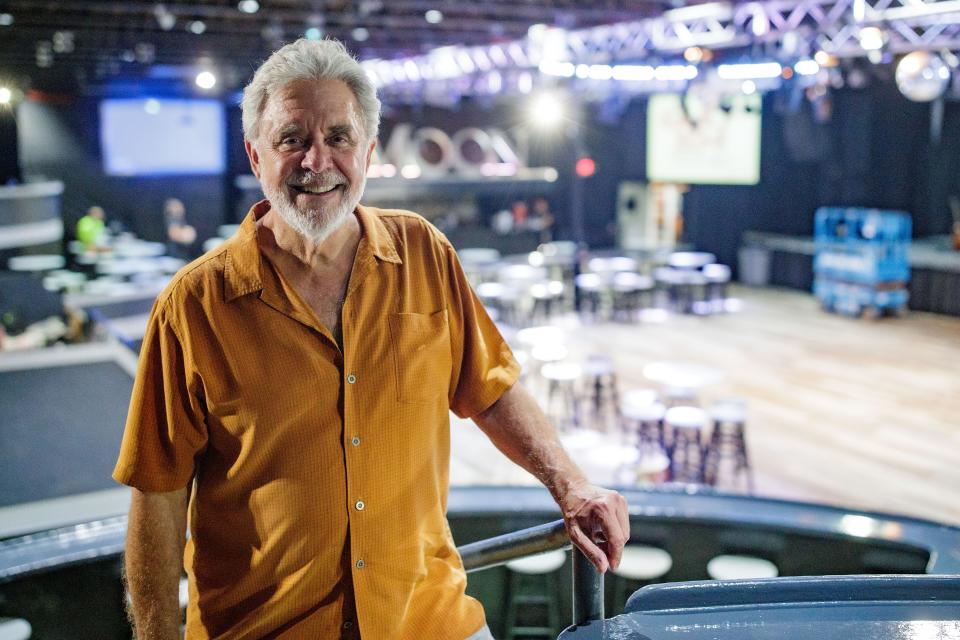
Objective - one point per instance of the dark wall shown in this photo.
(59, 140)
(875, 150)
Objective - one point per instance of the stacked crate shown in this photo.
(861, 264)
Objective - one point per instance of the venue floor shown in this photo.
(858, 413)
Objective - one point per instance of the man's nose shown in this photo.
(317, 158)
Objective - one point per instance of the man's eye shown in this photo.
(292, 141)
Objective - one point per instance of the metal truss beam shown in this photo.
(794, 28)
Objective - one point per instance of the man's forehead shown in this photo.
(328, 101)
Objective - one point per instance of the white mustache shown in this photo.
(325, 180)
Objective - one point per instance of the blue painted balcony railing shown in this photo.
(66, 582)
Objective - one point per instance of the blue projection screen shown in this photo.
(161, 136)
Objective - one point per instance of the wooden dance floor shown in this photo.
(856, 413)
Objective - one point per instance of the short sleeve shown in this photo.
(483, 364)
(165, 427)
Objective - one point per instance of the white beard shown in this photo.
(316, 225)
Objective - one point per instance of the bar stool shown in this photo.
(686, 452)
(629, 290)
(641, 565)
(562, 380)
(718, 278)
(643, 424)
(534, 584)
(501, 299)
(590, 288)
(600, 380)
(726, 456)
(479, 264)
(741, 567)
(547, 299)
(15, 629)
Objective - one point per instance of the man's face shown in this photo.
(312, 155)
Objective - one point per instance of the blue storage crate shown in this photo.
(861, 259)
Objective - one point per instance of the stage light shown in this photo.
(559, 69)
(922, 76)
(152, 106)
(807, 67)
(197, 27)
(360, 34)
(313, 33)
(633, 72)
(206, 80)
(5, 95)
(411, 171)
(546, 110)
(6, 19)
(871, 38)
(667, 72)
(824, 59)
(388, 170)
(749, 71)
(550, 174)
(585, 167)
(749, 87)
(433, 16)
(248, 6)
(693, 55)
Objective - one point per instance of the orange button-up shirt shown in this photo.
(321, 474)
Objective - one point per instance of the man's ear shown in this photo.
(254, 157)
(373, 145)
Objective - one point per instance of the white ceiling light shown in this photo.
(871, 38)
(546, 110)
(197, 27)
(206, 80)
(433, 16)
(248, 6)
(749, 71)
(360, 34)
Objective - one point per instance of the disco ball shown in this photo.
(922, 76)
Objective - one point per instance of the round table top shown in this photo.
(690, 259)
(684, 375)
(33, 263)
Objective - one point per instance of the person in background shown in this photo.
(542, 219)
(293, 400)
(180, 235)
(90, 227)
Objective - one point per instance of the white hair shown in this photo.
(308, 60)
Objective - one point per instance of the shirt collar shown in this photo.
(243, 261)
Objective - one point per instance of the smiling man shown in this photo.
(292, 403)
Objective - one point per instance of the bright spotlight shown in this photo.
(206, 80)
(433, 16)
(871, 38)
(6, 19)
(313, 33)
(248, 6)
(360, 34)
(152, 106)
(546, 110)
(5, 95)
(749, 87)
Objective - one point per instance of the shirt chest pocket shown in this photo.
(421, 351)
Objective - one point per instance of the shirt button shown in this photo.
(360, 564)
(355, 442)
(360, 505)
(351, 378)
(348, 625)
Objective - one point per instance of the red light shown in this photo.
(586, 167)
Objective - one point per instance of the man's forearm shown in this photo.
(519, 429)
(156, 534)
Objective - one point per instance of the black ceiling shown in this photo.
(70, 45)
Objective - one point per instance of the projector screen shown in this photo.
(703, 138)
(161, 136)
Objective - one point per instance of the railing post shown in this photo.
(587, 589)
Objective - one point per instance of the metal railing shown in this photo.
(587, 581)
